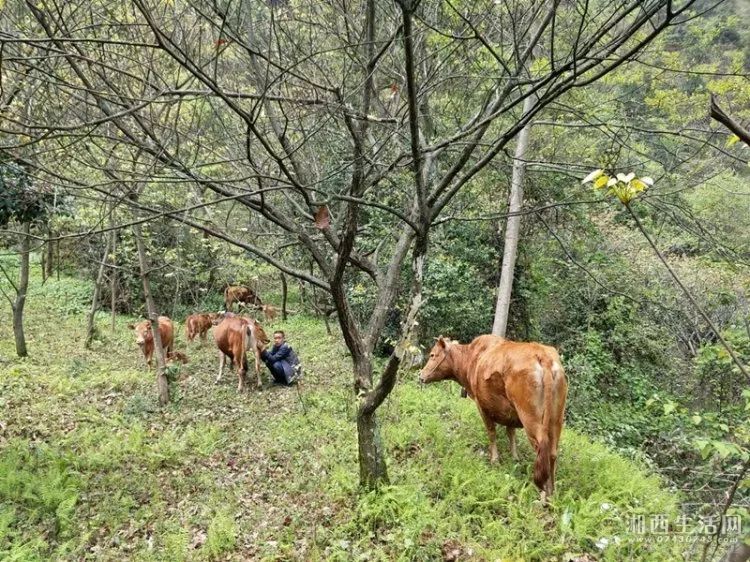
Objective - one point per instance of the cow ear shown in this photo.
(441, 341)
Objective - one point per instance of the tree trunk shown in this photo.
(43, 266)
(90, 327)
(512, 228)
(372, 468)
(50, 260)
(161, 361)
(113, 270)
(283, 297)
(23, 285)
(302, 290)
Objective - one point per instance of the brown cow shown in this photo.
(240, 293)
(236, 336)
(514, 384)
(269, 312)
(199, 324)
(145, 339)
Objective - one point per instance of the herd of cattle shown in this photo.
(513, 384)
(236, 336)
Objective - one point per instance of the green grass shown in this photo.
(92, 469)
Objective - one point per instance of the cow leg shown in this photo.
(489, 424)
(257, 367)
(555, 431)
(241, 372)
(222, 360)
(511, 432)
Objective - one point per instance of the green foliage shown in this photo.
(38, 486)
(20, 201)
(222, 535)
(459, 288)
(453, 304)
(716, 374)
(65, 296)
(255, 477)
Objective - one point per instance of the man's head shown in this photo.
(278, 337)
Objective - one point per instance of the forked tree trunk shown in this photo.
(162, 384)
(90, 325)
(512, 228)
(21, 289)
(372, 467)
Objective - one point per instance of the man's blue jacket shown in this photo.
(283, 354)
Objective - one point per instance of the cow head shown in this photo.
(438, 366)
(142, 332)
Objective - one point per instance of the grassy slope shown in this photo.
(91, 469)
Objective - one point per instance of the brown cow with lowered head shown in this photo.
(145, 339)
(240, 293)
(199, 325)
(236, 336)
(514, 384)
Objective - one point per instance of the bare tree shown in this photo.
(346, 129)
(90, 326)
(162, 384)
(20, 287)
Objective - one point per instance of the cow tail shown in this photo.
(245, 345)
(542, 466)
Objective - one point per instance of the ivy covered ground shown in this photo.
(91, 469)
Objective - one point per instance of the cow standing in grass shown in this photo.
(236, 336)
(199, 325)
(269, 312)
(145, 339)
(514, 384)
(240, 294)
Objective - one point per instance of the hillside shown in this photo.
(90, 468)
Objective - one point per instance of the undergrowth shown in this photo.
(92, 469)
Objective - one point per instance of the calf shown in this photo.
(199, 325)
(236, 336)
(240, 293)
(269, 312)
(145, 339)
(514, 384)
